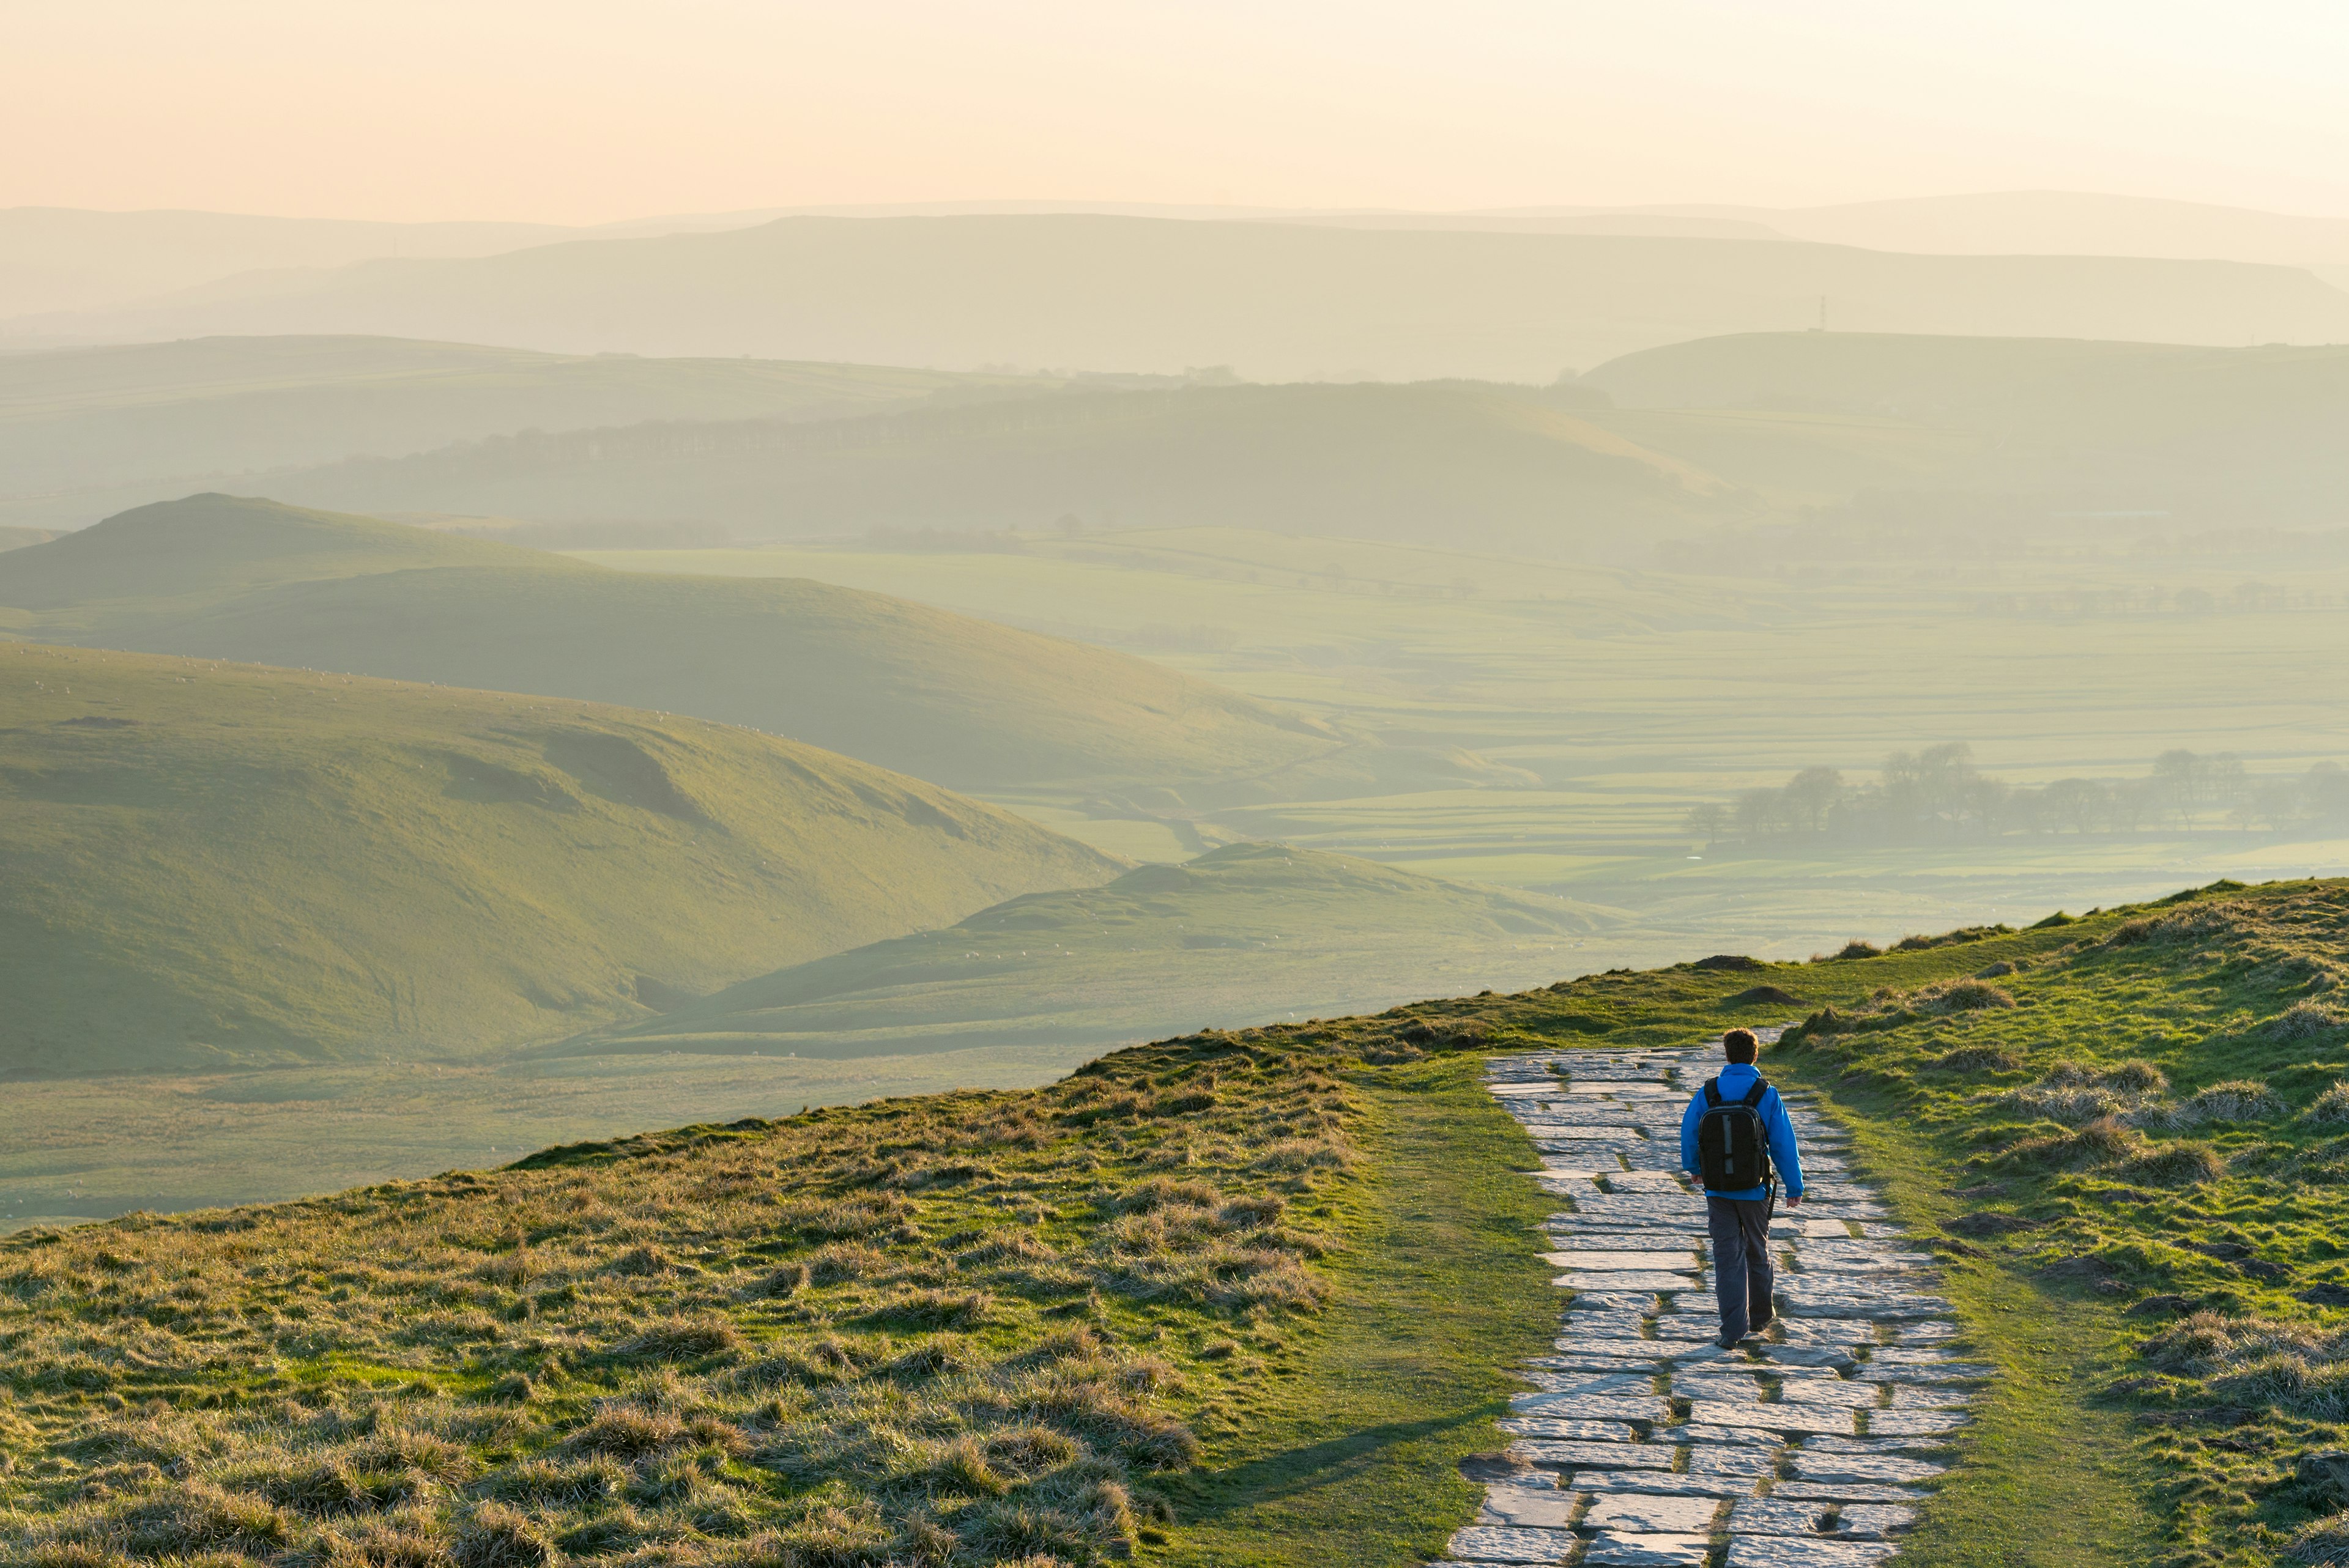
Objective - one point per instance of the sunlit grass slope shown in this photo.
(204, 864)
(923, 691)
(1491, 465)
(1238, 1297)
(1248, 933)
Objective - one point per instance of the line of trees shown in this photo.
(1937, 795)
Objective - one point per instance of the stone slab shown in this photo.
(1774, 1417)
(1875, 1521)
(1914, 1423)
(1739, 1437)
(1776, 1516)
(1791, 1551)
(1569, 1431)
(1663, 1483)
(1651, 1514)
(1591, 1382)
(1847, 1491)
(1618, 1550)
(1591, 1406)
(1507, 1544)
(1830, 1391)
(1559, 1455)
(1671, 1242)
(1819, 1466)
(1679, 1261)
(1528, 1507)
(1619, 1279)
(1725, 1460)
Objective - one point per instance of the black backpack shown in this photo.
(1732, 1151)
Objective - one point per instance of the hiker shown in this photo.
(1737, 1141)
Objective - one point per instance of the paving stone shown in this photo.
(1776, 1418)
(1728, 1459)
(1912, 1355)
(1791, 1551)
(1599, 1456)
(1824, 1444)
(1663, 1483)
(1614, 1279)
(1631, 1242)
(1914, 1423)
(1928, 1395)
(1738, 1437)
(1682, 1261)
(1527, 1086)
(1717, 1387)
(1851, 1305)
(1874, 1521)
(1505, 1543)
(1776, 1516)
(1877, 1371)
(1589, 1382)
(1847, 1491)
(1815, 1465)
(1573, 1432)
(1661, 1515)
(1616, 1549)
(1826, 1331)
(1830, 1391)
(1529, 1508)
(1591, 1406)
(1939, 1329)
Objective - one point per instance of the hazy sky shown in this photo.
(584, 111)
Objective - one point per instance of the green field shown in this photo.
(1548, 726)
(206, 865)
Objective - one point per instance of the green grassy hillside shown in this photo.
(1237, 1298)
(1485, 466)
(923, 691)
(88, 431)
(2241, 435)
(1242, 934)
(204, 864)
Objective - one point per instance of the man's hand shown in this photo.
(1794, 1200)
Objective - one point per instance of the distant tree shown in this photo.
(2075, 803)
(1708, 822)
(1810, 796)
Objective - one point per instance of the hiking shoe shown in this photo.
(1727, 1342)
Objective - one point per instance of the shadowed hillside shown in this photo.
(1480, 466)
(1246, 933)
(923, 691)
(204, 864)
(1276, 301)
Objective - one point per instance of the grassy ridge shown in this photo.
(929, 693)
(1505, 467)
(1233, 935)
(205, 865)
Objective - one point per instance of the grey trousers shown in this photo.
(1743, 1278)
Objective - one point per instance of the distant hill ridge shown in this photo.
(208, 864)
(942, 697)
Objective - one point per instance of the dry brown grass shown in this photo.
(964, 1329)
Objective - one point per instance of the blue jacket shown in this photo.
(1736, 1077)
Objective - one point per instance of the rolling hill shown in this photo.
(2241, 434)
(1480, 466)
(86, 432)
(205, 864)
(1246, 933)
(1278, 302)
(923, 691)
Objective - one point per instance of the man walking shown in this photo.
(1731, 1136)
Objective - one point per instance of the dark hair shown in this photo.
(1739, 1044)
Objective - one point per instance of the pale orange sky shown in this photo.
(590, 111)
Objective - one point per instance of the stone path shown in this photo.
(1641, 1441)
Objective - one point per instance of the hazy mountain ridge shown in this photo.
(1277, 302)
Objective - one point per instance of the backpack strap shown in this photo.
(1712, 1092)
(1752, 1100)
